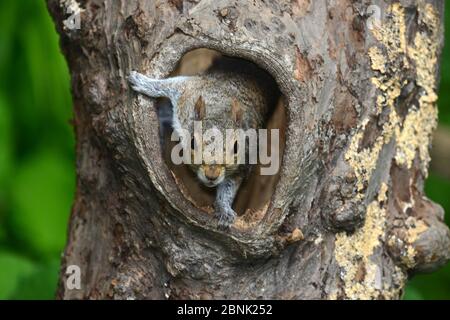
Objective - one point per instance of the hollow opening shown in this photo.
(254, 194)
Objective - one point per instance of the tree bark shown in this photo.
(347, 219)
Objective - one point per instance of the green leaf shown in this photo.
(5, 145)
(412, 293)
(12, 269)
(444, 92)
(6, 161)
(437, 189)
(40, 284)
(42, 193)
(435, 285)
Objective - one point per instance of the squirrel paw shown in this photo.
(136, 80)
(226, 218)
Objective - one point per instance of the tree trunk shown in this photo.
(347, 217)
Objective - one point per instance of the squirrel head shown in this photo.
(212, 129)
(221, 103)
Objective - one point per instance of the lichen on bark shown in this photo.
(395, 60)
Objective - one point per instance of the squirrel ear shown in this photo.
(199, 109)
(236, 110)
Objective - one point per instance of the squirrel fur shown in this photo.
(231, 94)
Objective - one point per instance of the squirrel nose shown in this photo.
(212, 172)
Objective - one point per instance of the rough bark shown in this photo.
(348, 218)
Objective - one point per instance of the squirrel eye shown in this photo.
(193, 143)
(235, 147)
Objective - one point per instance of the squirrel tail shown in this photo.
(169, 88)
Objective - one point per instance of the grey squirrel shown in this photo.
(231, 94)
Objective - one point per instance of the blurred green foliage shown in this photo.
(37, 175)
